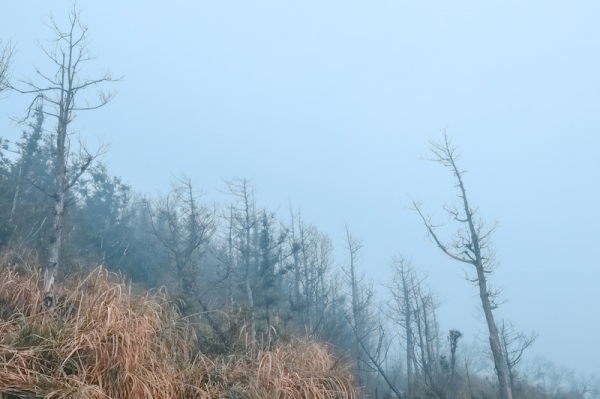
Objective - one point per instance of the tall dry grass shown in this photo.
(103, 342)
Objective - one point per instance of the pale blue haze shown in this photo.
(330, 105)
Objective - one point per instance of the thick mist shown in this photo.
(327, 111)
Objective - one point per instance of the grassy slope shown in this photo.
(102, 342)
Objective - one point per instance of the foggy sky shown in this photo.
(330, 105)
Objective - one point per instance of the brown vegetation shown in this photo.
(101, 341)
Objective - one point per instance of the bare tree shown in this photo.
(377, 356)
(225, 254)
(424, 307)
(401, 306)
(514, 344)
(551, 380)
(588, 387)
(307, 241)
(412, 307)
(245, 222)
(313, 286)
(6, 56)
(183, 227)
(69, 50)
(372, 341)
(470, 245)
(312, 263)
(453, 337)
(360, 299)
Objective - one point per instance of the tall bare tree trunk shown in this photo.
(499, 362)
(410, 348)
(60, 180)
(473, 239)
(16, 197)
(353, 246)
(307, 301)
(71, 49)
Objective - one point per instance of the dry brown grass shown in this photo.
(102, 342)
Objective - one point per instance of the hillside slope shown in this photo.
(104, 342)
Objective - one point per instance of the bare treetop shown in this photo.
(69, 50)
(471, 241)
(6, 55)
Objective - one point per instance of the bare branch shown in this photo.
(7, 53)
(431, 233)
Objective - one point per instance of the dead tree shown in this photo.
(6, 56)
(312, 263)
(514, 343)
(401, 307)
(377, 356)
(245, 224)
(453, 337)
(470, 245)
(360, 298)
(313, 283)
(183, 226)
(61, 90)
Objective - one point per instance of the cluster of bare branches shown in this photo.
(7, 52)
(59, 94)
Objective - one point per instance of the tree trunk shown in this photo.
(499, 363)
(306, 276)
(410, 350)
(60, 178)
(15, 198)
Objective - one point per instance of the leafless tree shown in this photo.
(322, 286)
(307, 240)
(426, 332)
(412, 307)
(312, 266)
(183, 226)
(69, 50)
(372, 341)
(588, 387)
(245, 225)
(360, 298)
(470, 245)
(550, 380)
(226, 255)
(514, 344)
(377, 354)
(401, 307)
(453, 337)
(6, 57)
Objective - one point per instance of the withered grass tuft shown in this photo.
(103, 342)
